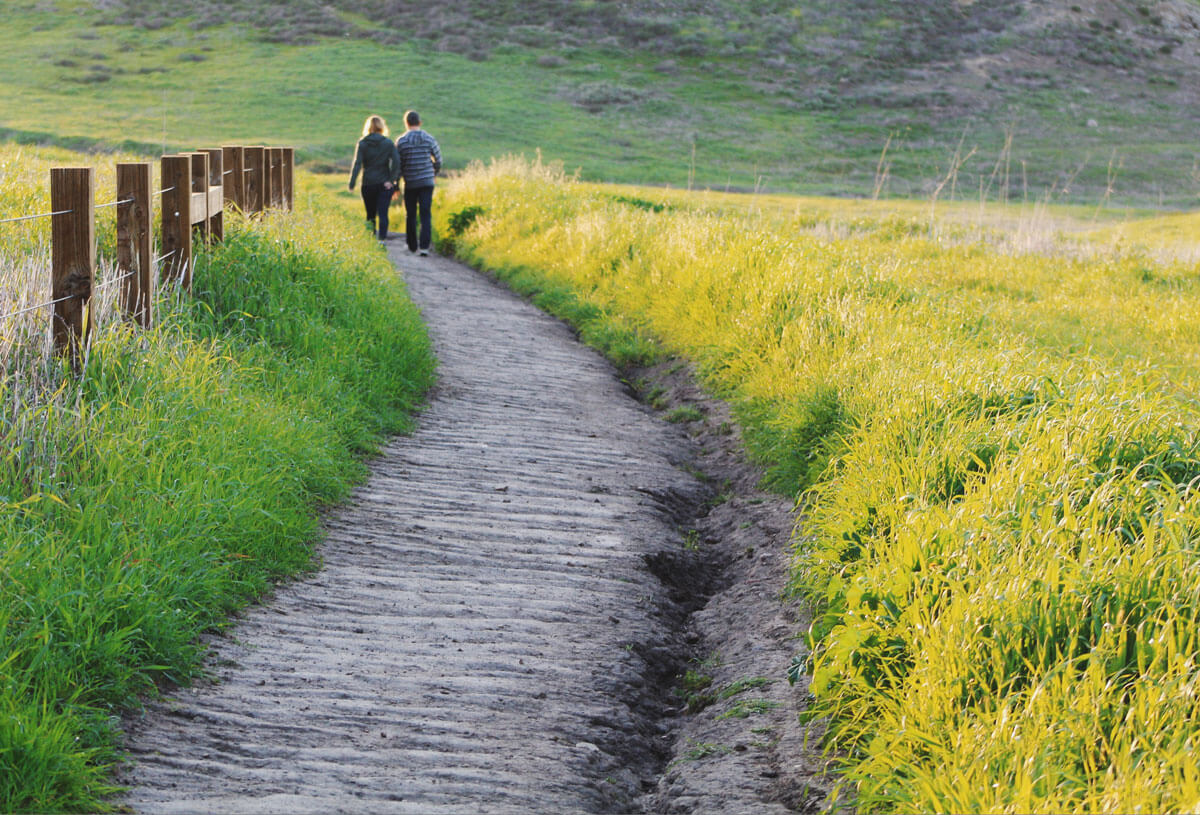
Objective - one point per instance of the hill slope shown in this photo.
(799, 96)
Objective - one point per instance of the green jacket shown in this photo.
(377, 158)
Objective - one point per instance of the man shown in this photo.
(420, 161)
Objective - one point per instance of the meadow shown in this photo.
(750, 97)
(180, 474)
(988, 417)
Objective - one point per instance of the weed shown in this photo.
(726, 494)
(694, 689)
(697, 750)
(743, 685)
(745, 708)
(456, 224)
(656, 397)
(694, 681)
(639, 203)
(686, 413)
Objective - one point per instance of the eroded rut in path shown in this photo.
(489, 632)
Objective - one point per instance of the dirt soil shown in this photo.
(547, 599)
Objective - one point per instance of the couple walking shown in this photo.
(416, 158)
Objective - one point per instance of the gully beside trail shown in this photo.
(532, 606)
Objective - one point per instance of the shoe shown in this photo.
(424, 253)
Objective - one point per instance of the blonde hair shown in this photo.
(375, 124)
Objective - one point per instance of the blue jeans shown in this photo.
(377, 198)
(421, 197)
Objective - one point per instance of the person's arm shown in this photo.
(394, 166)
(435, 153)
(399, 158)
(358, 160)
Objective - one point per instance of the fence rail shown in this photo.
(195, 189)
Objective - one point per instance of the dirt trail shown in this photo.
(491, 631)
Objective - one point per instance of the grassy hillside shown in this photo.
(761, 95)
(997, 452)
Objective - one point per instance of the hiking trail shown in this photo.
(508, 608)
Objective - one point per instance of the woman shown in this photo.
(377, 158)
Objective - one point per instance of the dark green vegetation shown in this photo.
(1099, 96)
(179, 477)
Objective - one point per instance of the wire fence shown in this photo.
(252, 179)
(47, 304)
(65, 211)
(35, 217)
(114, 203)
(112, 281)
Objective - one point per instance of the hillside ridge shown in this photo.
(1094, 101)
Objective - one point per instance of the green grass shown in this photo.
(745, 708)
(685, 414)
(721, 117)
(742, 685)
(180, 476)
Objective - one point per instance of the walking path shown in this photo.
(487, 633)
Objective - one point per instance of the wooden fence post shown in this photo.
(275, 158)
(289, 178)
(234, 159)
(177, 220)
(135, 248)
(268, 199)
(72, 255)
(256, 179)
(200, 194)
(216, 193)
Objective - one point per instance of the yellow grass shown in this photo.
(989, 417)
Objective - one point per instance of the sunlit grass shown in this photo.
(995, 443)
(719, 119)
(178, 475)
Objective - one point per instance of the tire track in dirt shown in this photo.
(485, 634)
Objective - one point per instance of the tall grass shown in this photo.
(179, 475)
(996, 451)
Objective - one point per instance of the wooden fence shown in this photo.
(195, 190)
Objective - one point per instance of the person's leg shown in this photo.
(370, 196)
(410, 217)
(384, 201)
(425, 195)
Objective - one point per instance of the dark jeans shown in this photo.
(421, 197)
(376, 199)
